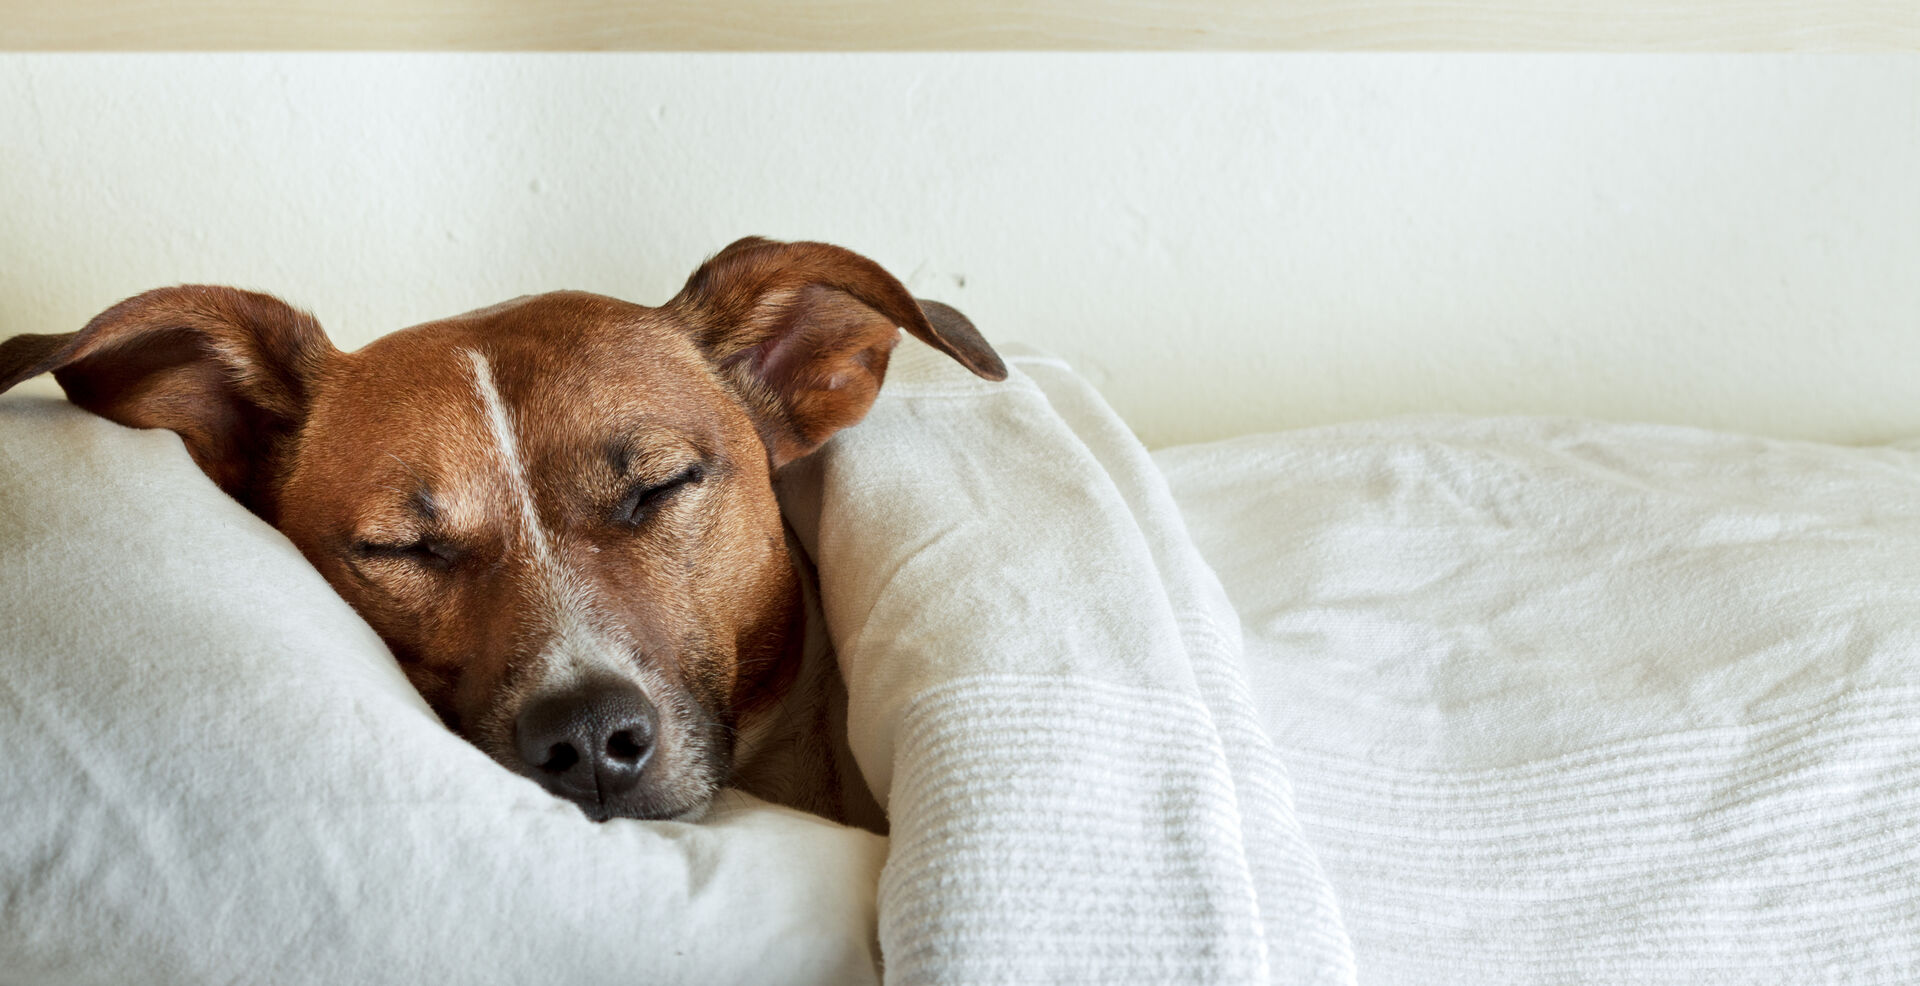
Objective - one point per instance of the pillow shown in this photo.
(214, 772)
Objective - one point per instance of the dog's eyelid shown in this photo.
(657, 448)
(427, 550)
(639, 501)
(658, 460)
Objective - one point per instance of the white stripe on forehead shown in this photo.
(577, 646)
(508, 444)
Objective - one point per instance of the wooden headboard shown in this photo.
(958, 25)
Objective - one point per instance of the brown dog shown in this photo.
(557, 511)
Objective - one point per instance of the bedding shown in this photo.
(1045, 693)
(214, 772)
(1431, 700)
(1577, 702)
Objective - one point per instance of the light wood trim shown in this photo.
(878, 25)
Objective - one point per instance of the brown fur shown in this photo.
(377, 466)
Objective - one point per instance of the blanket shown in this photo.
(1046, 693)
(1570, 701)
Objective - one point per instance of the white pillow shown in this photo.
(213, 771)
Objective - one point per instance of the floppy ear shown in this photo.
(803, 331)
(228, 370)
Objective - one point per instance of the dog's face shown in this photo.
(554, 501)
(558, 511)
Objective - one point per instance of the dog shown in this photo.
(558, 511)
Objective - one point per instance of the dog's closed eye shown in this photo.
(426, 552)
(643, 499)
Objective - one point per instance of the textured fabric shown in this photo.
(1573, 702)
(1560, 702)
(213, 772)
(1045, 691)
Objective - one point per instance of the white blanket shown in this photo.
(1573, 702)
(1046, 694)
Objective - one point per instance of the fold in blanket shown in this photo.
(1046, 692)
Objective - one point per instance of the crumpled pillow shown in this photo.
(213, 771)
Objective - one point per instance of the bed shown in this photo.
(1425, 700)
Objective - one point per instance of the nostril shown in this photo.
(625, 748)
(560, 758)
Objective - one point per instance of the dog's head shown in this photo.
(557, 511)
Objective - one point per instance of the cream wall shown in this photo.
(1225, 243)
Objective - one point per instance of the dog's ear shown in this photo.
(228, 370)
(804, 330)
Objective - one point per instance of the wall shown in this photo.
(1225, 243)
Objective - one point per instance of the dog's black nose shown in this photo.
(587, 743)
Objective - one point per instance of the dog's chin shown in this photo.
(645, 808)
(601, 813)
